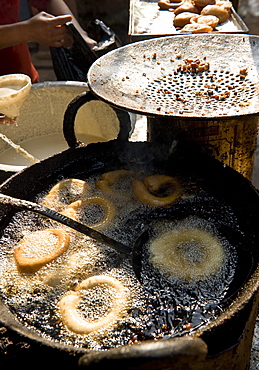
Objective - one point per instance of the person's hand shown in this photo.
(92, 43)
(48, 30)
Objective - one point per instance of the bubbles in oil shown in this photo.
(159, 307)
(187, 252)
(187, 294)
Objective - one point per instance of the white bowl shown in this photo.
(14, 89)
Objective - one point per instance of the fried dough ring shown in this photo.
(169, 5)
(107, 204)
(54, 196)
(219, 11)
(209, 20)
(186, 6)
(196, 28)
(27, 264)
(109, 178)
(70, 314)
(189, 253)
(182, 19)
(226, 4)
(153, 183)
(203, 3)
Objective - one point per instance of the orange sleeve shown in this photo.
(17, 59)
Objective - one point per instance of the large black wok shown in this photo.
(227, 187)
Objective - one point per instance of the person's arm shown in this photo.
(43, 29)
(59, 7)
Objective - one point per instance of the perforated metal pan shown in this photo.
(146, 77)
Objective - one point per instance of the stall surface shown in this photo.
(147, 21)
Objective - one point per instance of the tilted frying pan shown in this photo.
(147, 77)
(226, 186)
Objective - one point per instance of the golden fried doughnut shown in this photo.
(154, 183)
(203, 3)
(64, 192)
(109, 209)
(182, 19)
(187, 253)
(109, 178)
(220, 11)
(227, 4)
(26, 263)
(209, 20)
(196, 28)
(169, 5)
(69, 306)
(186, 7)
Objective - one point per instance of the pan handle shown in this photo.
(175, 353)
(71, 112)
(67, 221)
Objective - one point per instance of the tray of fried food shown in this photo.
(193, 16)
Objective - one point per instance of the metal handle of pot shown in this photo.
(176, 353)
(71, 112)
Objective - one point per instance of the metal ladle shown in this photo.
(78, 226)
(19, 149)
(135, 252)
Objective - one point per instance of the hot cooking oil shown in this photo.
(160, 304)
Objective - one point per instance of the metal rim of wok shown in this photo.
(141, 77)
(83, 161)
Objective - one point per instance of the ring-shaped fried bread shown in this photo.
(182, 19)
(109, 178)
(196, 28)
(219, 11)
(33, 264)
(70, 312)
(190, 253)
(109, 210)
(168, 5)
(153, 183)
(65, 190)
(209, 20)
(226, 4)
(203, 3)
(186, 7)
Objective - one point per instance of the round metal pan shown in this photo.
(147, 77)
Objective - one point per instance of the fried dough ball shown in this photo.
(168, 5)
(219, 11)
(209, 20)
(187, 6)
(227, 4)
(182, 19)
(196, 28)
(203, 3)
